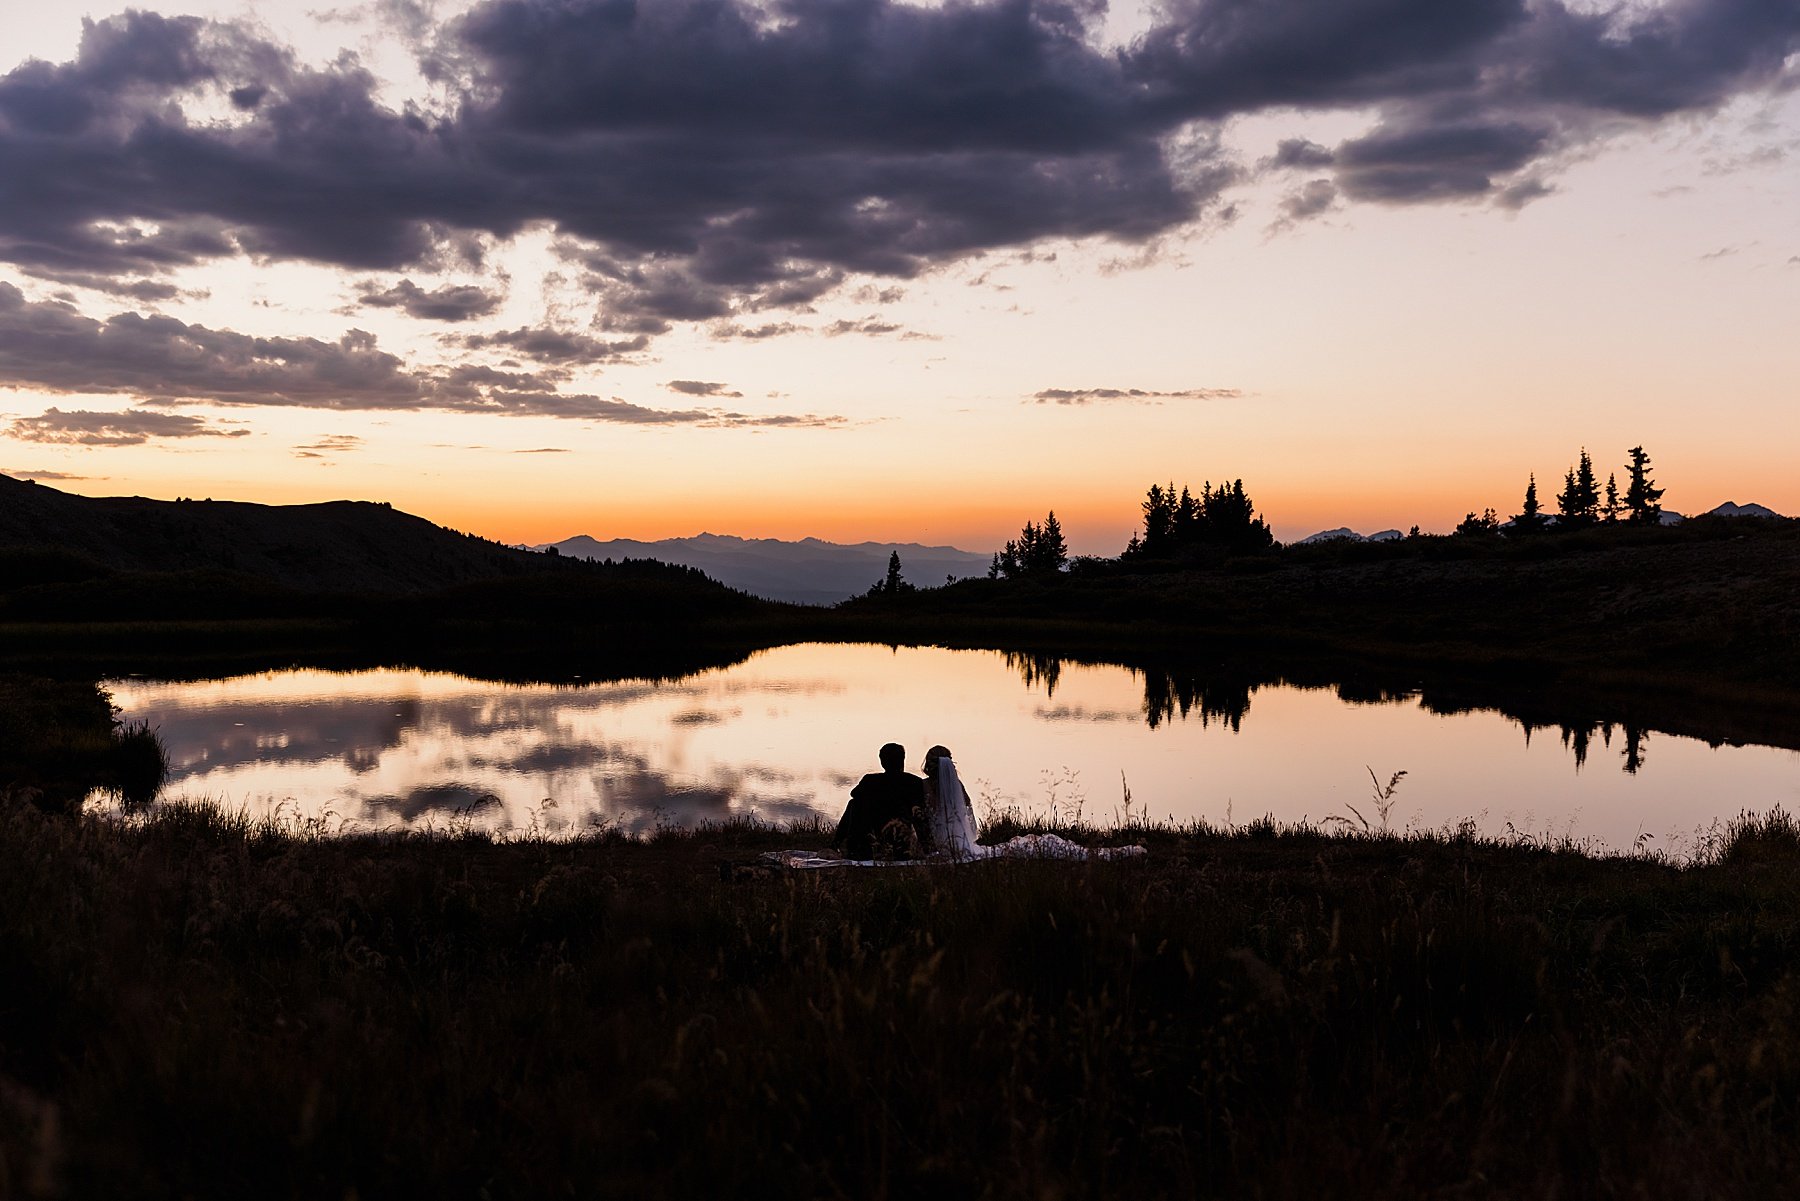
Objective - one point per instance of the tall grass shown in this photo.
(199, 1004)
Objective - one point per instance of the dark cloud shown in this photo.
(86, 428)
(147, 291)
(704, 159)
(463, 302)
(1412, 162)
(50, 345)
(1300, 154)
(1082, 396)
(554, 345)
(544, 450)
(53, 346)
(696, 387)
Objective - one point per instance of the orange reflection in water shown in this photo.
(785, 733)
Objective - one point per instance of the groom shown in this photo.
(886, 808)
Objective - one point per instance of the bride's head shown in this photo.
(932, 756)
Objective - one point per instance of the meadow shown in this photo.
(202, 1006)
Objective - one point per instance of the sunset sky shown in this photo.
(867, 270)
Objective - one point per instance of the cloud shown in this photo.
(1720, 253)
(1429, 160)
(554, 346)
(544, 450)
(135, 427)
(1299, 154)
(773, 329)
(1311, 199)
(705, 159)
(874, 327)
(812, 421)
(47, 476)
(330, 444)
(147, 291)
(334, 442)
(1082, 396)
(449, 303)
(695, 387)
(50, 345)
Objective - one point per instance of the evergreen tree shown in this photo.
(1579, 502)
(1530, 519)
(1230, 519)
(1189, 519)
(892, 584)
(1477, 527)
(1180, 524)
(1642, 497)
(1050, 553)
(1038, 550)
(1613, 506)
(1159, 521)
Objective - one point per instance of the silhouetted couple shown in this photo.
(895, 815)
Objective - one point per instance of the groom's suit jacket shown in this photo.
(878, 798)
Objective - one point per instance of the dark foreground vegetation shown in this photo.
(198, 1007)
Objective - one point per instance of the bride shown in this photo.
(950, 821)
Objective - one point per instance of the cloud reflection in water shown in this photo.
(785, 733)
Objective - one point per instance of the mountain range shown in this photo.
(1346, 534)
(810, 571)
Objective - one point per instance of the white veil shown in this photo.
(952, 823)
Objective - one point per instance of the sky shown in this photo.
(857, 269)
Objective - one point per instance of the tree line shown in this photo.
(1582, 501)
(1184, 526)
(1177, 526)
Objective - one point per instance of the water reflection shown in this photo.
(785, 732)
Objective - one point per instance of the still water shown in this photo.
(785, 733)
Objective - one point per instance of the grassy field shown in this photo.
(199, 1007)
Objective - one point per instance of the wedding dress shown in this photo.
(953, 828)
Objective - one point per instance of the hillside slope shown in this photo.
(338, 546)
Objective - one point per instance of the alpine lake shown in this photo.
(784, 733)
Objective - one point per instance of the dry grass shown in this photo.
(199, 1005)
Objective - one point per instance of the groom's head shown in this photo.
(893, 757)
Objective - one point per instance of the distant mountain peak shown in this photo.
(1728, 509)
(809, 571)
(1345, 534)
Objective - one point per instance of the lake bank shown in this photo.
(208, 1009)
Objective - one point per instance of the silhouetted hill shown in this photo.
(809, 571)
(339, 546)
